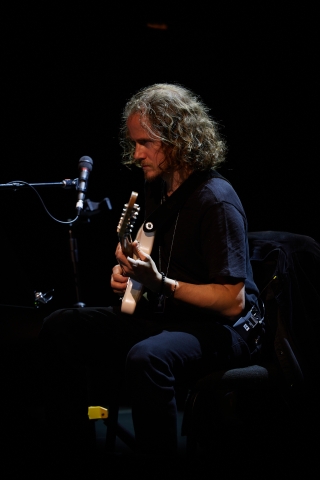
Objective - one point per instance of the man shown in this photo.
(197, 281)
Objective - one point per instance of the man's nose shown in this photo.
(138, 153)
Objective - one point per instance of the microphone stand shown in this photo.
(75, 260)
(66, 184)
(90, 209)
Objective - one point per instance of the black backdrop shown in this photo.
(66, 74)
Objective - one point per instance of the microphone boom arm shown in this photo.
(67, 183)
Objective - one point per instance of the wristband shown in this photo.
(174, 289)
(162, 283)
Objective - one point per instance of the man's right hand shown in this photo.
(118, 282)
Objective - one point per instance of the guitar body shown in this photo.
(134, 289)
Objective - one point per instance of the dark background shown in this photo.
(66, 75)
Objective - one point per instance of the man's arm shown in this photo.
(223, 297)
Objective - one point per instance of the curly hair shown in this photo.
(174, 115)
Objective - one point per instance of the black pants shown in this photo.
(90, 354)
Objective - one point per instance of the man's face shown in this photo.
(148, 151)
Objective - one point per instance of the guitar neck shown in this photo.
(126, 223)
(126, 245)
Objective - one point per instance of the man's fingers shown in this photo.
(118, 283)
(116, 270)
(119, 277)
(138, 253)
(134, 262)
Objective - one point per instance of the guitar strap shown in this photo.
(162, 213)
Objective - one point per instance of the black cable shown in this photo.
(55, 219)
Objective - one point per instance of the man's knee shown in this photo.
(147, 362)
(149, 377)
(139, 357)
(58, 323)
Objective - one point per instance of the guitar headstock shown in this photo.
(127, 221)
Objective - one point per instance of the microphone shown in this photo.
(85, 167)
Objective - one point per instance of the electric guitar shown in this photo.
(128, 217)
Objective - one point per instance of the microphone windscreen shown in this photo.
(86, 162)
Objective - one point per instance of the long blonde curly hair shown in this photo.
(177, 117)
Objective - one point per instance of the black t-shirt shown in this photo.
(204, 239)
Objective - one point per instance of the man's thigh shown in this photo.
(175, 350)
